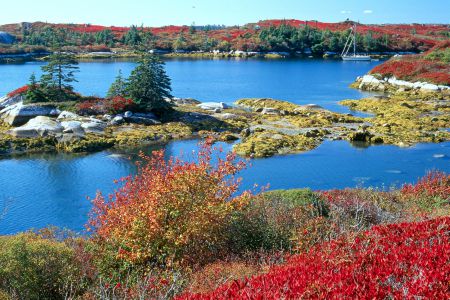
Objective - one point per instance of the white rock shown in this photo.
(128, 114)
(19, 113)
(38, 126)
(430, 87)
(6, 101)
(226, 116)
(270, 111)
(67, 115)
(213, 105)
(72, 126)
(369, 79)
(94, 127)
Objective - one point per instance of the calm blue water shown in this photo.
(41, 190)
(51, 189)
(323, 82)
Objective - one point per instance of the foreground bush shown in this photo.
(33, 267)
(407, 260)
(171, 211)
(429, 193)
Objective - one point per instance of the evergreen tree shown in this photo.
(132, 37)
(34, 93)
(148, 85)
(118, 87)
(58, 76)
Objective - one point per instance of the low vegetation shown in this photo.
(404, 118)
(432, 66)
(181, 229)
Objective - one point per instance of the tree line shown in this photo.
(274, 38)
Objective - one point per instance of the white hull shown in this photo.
(357, 58)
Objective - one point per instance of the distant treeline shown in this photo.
(315, 38)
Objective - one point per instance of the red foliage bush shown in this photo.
(115, 105)
(19, 91)
(91, 106)
(402, 261)
(118, 104)
(434, 184)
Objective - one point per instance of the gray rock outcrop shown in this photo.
(18, 114)
(38, 126)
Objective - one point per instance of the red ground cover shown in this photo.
(401, 261)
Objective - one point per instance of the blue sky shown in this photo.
(228, 12)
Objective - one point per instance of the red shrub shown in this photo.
(118, 104)
(401, 261)
(434, 184)
(19, 91)
(97, 106)
(90, 107)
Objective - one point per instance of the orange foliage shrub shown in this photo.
(171, 211)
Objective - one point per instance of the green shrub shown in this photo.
(33, 267)
(272, 220)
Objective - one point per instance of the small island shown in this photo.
(47, 115)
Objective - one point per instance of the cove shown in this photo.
(51, 189)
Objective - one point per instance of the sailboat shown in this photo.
(351, 40)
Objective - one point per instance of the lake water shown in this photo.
(323, 82)
(41, 190)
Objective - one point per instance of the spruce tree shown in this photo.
(118, 87)
(58, 76)
(149, 84)
(34, 93)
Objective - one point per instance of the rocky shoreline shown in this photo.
(264, 127)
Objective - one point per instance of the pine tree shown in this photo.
(58, 76)
(34, 93)
(118, 87)
(149, 84)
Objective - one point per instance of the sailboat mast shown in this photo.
(354, 42)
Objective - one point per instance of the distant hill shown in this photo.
(267, 35)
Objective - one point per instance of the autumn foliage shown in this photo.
(406, 260)
(432, 66)
(434, 184)
(172, 211)
(20, 91)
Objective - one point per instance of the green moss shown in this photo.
(404, 119)
(11, 145)
(268, 143)
(90, 143)
(260, 103)
(139, 135)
